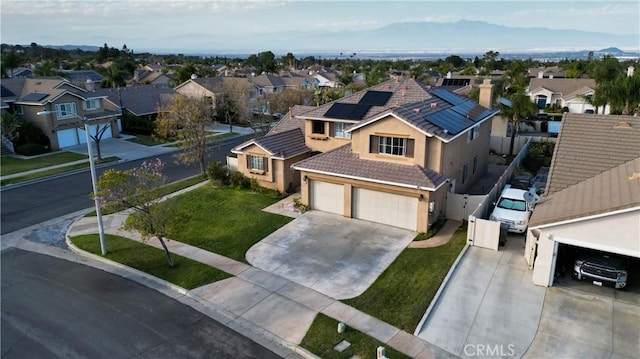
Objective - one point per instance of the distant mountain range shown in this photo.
(462, 37)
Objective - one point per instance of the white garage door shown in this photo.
(327, 197)
(92, 132)
(67, 138)
(387, 208)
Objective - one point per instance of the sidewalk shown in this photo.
(266, 303)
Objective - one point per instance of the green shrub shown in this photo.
(32, 149)
(218, 172)
(239, 180)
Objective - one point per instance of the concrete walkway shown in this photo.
(443, 236)
(265, 302)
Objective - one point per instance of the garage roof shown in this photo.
(612, 190)
(341, 162)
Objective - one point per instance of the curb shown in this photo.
(253, 332)
(436, 297)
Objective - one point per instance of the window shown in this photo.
(19, 110)
(92, 104)
(473, 133)
(66, 110)
(475, 164)
(257, 163)
(465, 169)
(317, 127)
(338, 130)
(397, 146)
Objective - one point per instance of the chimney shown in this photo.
(90, 85)
(486, 93)
(540, 74)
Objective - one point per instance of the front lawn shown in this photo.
(225, 220)
(186, 273)
(323, 336)
(51, 172)
(11, 165)
(403, 292)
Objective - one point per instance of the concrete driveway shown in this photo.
(337, 256)
(577, 324)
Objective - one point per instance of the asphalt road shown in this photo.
(53, 308)
(42, 200)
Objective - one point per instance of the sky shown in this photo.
(153, 25)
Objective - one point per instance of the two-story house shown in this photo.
(564, 92)
(388, 154)
(58, 107)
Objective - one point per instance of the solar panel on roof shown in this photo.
(375, 98)
(455, 82)
(347, 111)
(450, 121)
(449, 97)
(35, 96)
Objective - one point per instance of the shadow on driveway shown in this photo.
(337, 256)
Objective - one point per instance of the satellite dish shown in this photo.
(531, 197)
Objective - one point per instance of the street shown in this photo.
(39, 201)
(55, 308)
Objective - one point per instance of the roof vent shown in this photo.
(416, 110)
(434, 105)
(622, 124)
(446, 131)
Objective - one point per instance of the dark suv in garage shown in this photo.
(601, 270)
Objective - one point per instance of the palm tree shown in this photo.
(521, 108)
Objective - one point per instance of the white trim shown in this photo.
(246, 144)
(580, 219)
(284, 158)
(69, 83)
(596, 246)
(431, 189)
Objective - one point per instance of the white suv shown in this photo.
(512, 209)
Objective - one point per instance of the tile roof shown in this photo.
(341, 162)
(267, 80)
(280, 145)
(615, 189)
(49, 87)
(404, 91)
(562, 86)
(83, 76)
(591, 144)
(139, 99)
(290, 120)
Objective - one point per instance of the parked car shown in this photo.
(512, 209)
(601, 270)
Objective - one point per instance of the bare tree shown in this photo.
(184, 119)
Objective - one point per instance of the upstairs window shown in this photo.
(339, 130)
(395, 146)
(317, 127)
(66, 110)
(92, 104)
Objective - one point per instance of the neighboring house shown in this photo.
(553, 72)
(68, 105)
(562, 93)
(268, 84)
(19, 72)
(144, 76)
(592, 198)
(326, 79)
(209, 87)
(142, 101)
(387, 154)
(88, 79)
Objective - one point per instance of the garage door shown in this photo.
(327, 197)
(92, 132)
(386, 208)
(67, 138)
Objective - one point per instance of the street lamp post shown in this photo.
(94, 180)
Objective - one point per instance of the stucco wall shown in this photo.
(322, 142)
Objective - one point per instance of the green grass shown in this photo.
(226, 220)
(11, 165)
(148, 140)
(186, 273)
(170, 188)
(323, 336)
(52, 172)
(403, 292)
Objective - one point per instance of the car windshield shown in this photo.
(512, 204)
